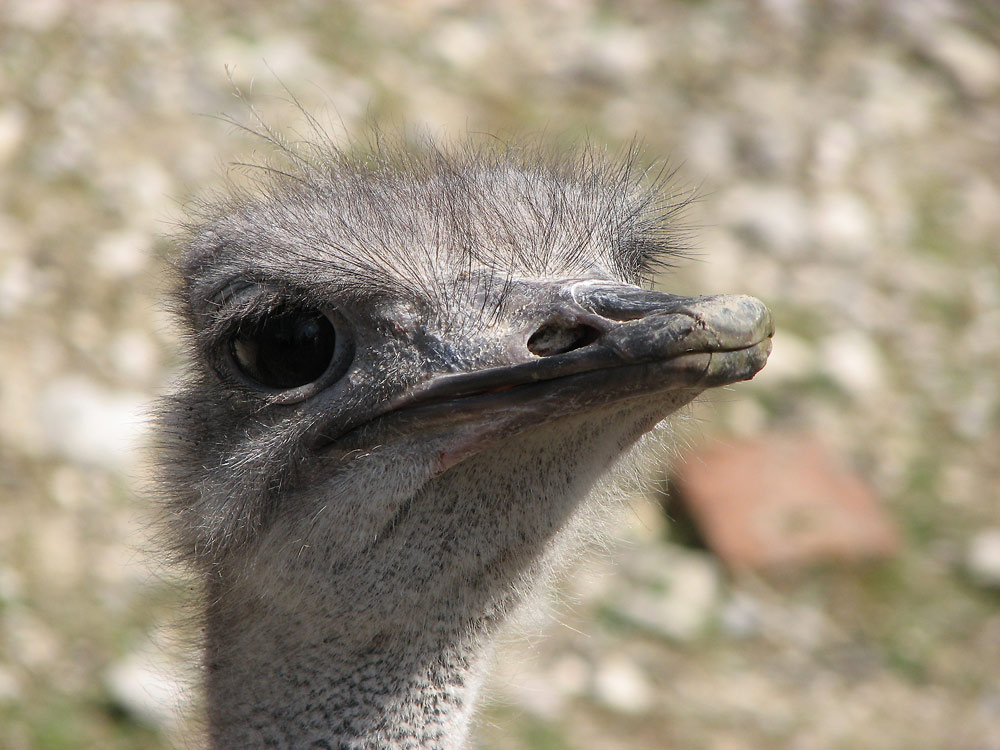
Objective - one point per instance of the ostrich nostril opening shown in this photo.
(559, 337)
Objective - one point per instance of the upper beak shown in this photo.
(625, 335)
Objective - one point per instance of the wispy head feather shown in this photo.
(417, 217)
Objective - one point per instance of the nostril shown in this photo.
(559, 337)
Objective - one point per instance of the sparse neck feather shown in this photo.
(388, 647)
(306, 686)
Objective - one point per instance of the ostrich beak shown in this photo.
(591, 344)
(615, 332)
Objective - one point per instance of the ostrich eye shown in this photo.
(287, 349)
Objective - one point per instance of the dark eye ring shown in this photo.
(289, 351)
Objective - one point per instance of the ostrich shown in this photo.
(412, 372)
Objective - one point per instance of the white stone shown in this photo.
(461, 43)
(740, 617)
(35, 15)
(895, 105)
(789, 13)
(10, 687)
(773, 145)
(147, 684)
(851, 359)
(570, 674)
(801, 626)
(16, 286)
(135, 356)
(29, 641)
(972, 414)
(536, 694)
(973, 62)
(982, 560)
(13, 125)
(792, 358)
(90, 424)
(622, 686)
(843, 224)
(707, 144)
(836, 150)
(10, 584)
(746, 417)
(151, 19)
(773, 216)
(623, 50)
(122, 255)
(669, 591)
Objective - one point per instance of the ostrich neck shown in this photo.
(299, 682)
(308, 646)
(313, 645)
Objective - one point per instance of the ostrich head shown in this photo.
(410, 371)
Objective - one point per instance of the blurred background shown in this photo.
(847, 155)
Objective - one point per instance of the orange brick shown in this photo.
(781, 500)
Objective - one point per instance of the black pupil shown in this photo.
(288, 349)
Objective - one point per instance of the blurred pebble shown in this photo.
(17, 285)
(773, 144)
(769, 216)
(974, 63)
(740, 616)
(843, 225)
(13, 124)
(122, 255)
(67, 486)
(669, 591)
(852, 360)
(570, 674)
(90, 424)
(460, 42)
(895, 105)
(147, 685)
(836, 148)
(10, 688)
(622, 51)
(708, 146)
(792, 358)
(135, 357)
(534, 694)
(747, 417)
(621, 685)
(34, 15)
(29, 640)
(801, 626)
(982, 559)
(59, 552)
(10, 584)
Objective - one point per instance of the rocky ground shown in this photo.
(847, 155)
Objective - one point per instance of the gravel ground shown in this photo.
(848, 159)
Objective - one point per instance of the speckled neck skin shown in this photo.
(387, 648)
(306, 688)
